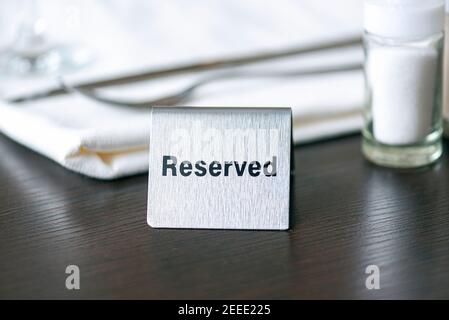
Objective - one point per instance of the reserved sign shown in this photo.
(219, 168)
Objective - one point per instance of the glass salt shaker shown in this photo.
(403, 44)
(446, 74)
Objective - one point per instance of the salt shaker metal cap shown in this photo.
(404, 18)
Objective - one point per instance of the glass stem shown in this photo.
(31, 41)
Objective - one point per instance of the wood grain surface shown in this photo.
(347, 214)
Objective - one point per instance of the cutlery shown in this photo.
(200, 66)
(187, 92)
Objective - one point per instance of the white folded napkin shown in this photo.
(108, 142)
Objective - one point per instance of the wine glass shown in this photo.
(33, 52)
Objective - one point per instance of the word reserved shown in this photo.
(216, 168)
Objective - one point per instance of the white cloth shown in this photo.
(107, 142)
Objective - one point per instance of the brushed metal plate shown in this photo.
(251, 196)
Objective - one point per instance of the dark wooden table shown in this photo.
(347, 214)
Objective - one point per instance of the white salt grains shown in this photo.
(403, 89)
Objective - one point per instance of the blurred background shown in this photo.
(85, 41)
(137, 33)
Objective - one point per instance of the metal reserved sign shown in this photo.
(219, 168)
